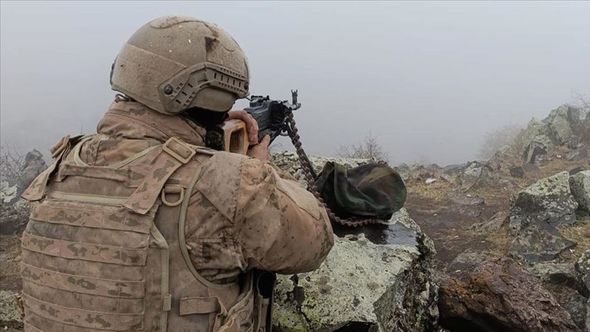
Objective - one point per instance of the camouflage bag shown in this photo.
(367, 191)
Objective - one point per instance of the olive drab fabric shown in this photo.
(138, 228)
(368, 191)
(173, 63)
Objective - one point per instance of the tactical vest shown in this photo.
(104, 249)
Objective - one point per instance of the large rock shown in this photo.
(564, 282)
(548, 200)
(564, 124)
(535, 214)
(560, 274)
(583, 269)
(12, 187)
(573, 302)
(500, 296)
(539, 242)
(537, 150)
(10, 312)
(580, 188)
(32, 166)
(367, 283)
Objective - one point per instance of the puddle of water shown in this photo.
(381, 234)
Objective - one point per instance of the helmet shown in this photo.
(174, 63)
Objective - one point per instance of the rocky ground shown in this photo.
(512, 234)
(496, 245)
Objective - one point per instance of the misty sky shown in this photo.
(427, 79)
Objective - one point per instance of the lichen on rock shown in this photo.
(363, 286)
(580, 187)
(535, 214)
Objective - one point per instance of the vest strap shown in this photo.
(96, 172)
(199, 305)
(179, 150)
(84, 251)
(84, 284)
(175, 153)
(84, 318)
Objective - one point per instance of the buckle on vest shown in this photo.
(167, 302)
(172, 189)
(179, 150)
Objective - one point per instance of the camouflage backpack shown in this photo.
(367, 191)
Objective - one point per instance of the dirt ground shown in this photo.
(445, 213)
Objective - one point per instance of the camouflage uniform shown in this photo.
(140, 228)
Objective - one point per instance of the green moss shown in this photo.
(286, 319)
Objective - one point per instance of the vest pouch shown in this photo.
(239, 317)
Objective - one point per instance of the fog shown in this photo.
(427, 79)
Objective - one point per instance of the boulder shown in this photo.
(583, 269)
(366, 283)
(536, 129)
(563, 280)
(537, 149)
(11, 188)
(535, 214)
(476, 174)
(548, 201)
(560, 274)
(10, 311)
(500, 296)
(539, 242)
(574, 303)
(32, 166)
(564, 124)
(580, 188)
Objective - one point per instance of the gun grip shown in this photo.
(235, 136)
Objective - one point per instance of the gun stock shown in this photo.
(235, 136)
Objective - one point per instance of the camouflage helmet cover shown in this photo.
(173, 63)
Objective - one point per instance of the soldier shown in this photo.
(140, 227)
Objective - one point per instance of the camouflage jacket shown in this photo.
(244, 214)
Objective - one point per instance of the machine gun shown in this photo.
(275, 118)
(272, 117)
